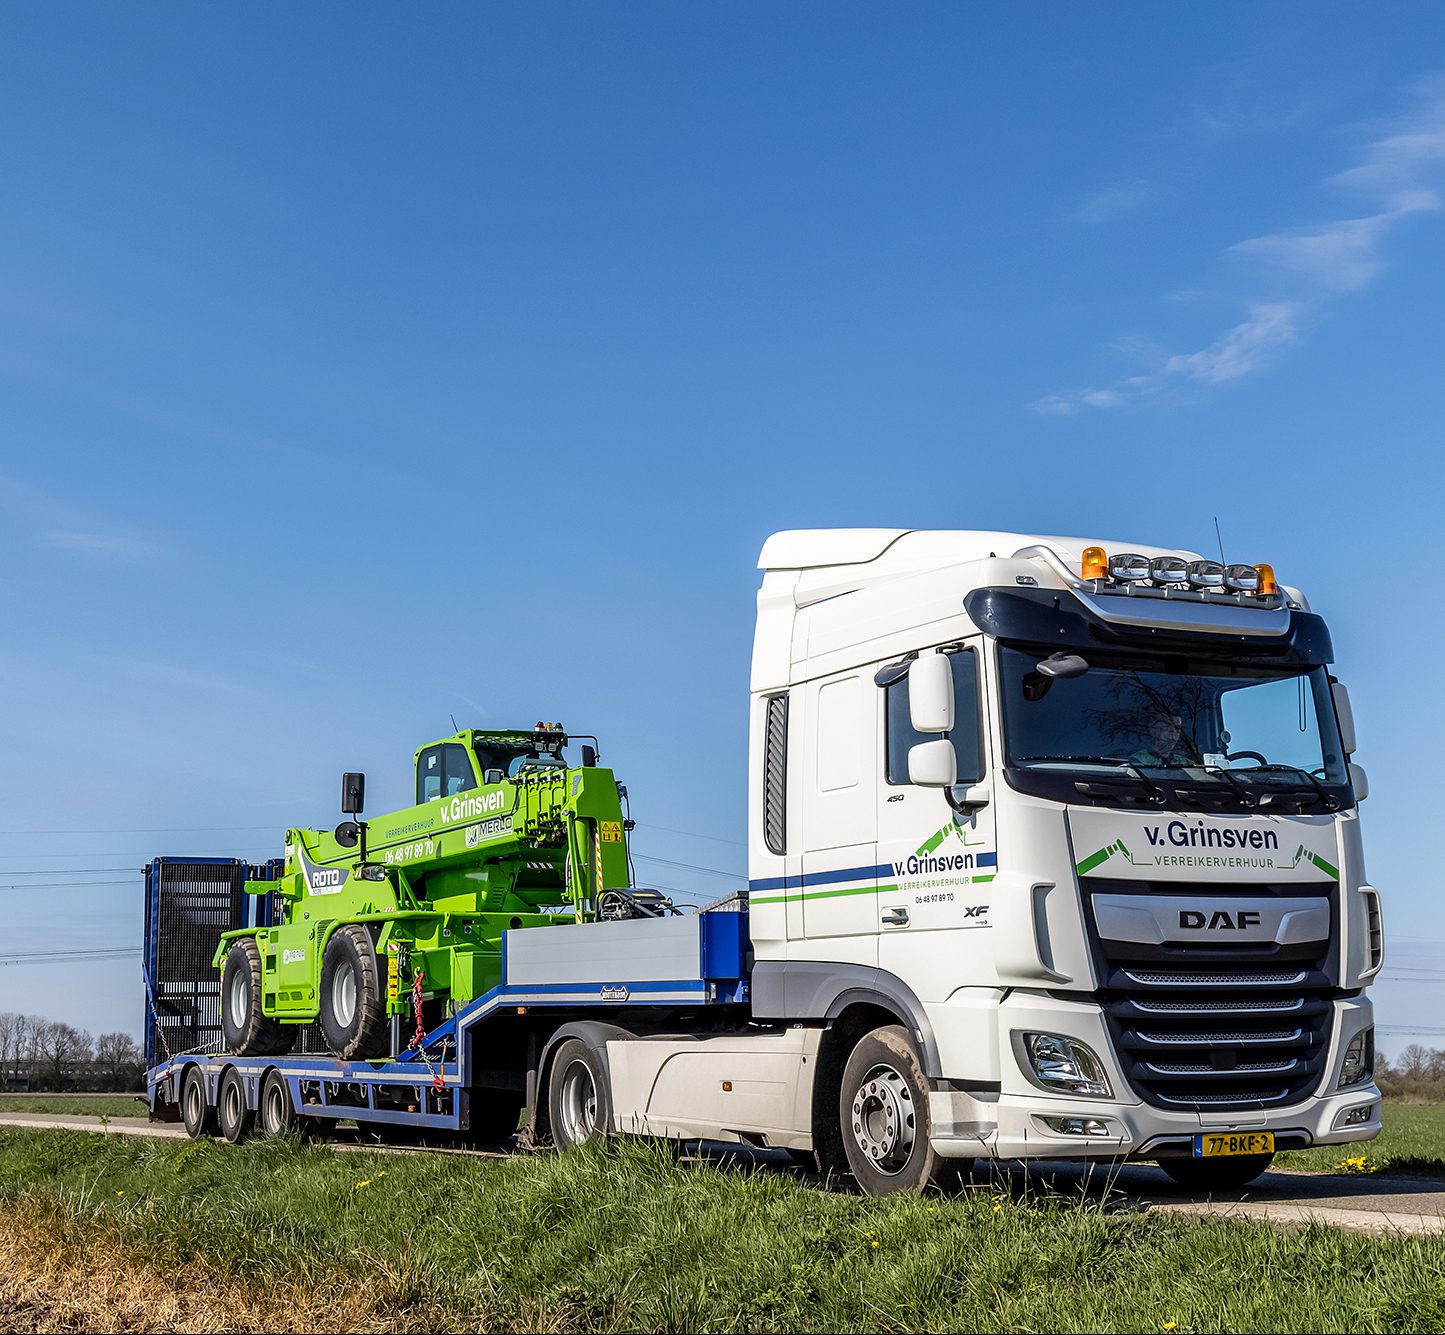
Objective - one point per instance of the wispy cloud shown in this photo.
(100, 546)
(1106, 205)
(1401, 174)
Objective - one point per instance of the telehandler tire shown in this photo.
(246, 1031)
(883, 1113)
(353, 1009)
(197, 1113)
(231, 1110)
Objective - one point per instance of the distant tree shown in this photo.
(1414, 1062)
(9, 1032)
(62, 1053)
(118, 1061)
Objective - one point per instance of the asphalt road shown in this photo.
(1367, 1204)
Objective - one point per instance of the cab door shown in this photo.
(936, 866)
(840, 818)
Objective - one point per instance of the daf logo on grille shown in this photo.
(1196, 920)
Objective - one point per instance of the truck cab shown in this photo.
(1080, 815)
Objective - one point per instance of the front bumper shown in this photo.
(1012, 1124)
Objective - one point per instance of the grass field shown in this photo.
(87, 1105)
(1413, 1141)
(118, 1233)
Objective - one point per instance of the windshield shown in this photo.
(1173, 718)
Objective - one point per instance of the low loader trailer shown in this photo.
(1054, 852)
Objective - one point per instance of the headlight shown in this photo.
(1242, 579)
(1206, 574)
(1359, 1062)
(1168, 570)
(1063, 1065)
(1129, 567)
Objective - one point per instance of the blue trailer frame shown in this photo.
(420, 1087)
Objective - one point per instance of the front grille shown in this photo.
(1215, 1025)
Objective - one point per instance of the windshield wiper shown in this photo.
(1327, 799)
(1131, 770)
(1246, 797)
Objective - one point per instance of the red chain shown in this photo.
(436, 1076)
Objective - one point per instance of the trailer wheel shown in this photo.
(231, 1110)
(577, 1096)
(1222, 1174)
(277, 1113)
(883, 1111)
(196, 1111)
(244, 1027)
(353, 1012)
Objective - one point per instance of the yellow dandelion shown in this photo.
(875, 1242)
(1170, 1325)
(366, 1183)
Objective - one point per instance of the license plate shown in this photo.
(1213, 1144)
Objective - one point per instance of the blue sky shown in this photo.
(361, 366)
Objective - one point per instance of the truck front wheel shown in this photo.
(246, 1031)
(577, 1096)
(353, 1012)
(883, 1112)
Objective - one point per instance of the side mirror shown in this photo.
(1345, 714)
(933, 764)
(930, 695)
(589, 756)
(353, 794)
(347, 833)
(1061, 666)
(1359, 781)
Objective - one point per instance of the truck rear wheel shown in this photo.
(196, 1111)
(1224, 1173)
(231, 1110)
(247, 1032)
(578, 1106)
(353, 1012)
(883, 1111)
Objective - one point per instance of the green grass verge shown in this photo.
(1413, 1141)
(76, 1105)
(628, 1239)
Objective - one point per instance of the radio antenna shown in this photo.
(1220, 537)
(453, 718)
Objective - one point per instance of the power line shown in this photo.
(690, 866)
(691, 834)
(157, 829)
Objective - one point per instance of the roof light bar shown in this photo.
(1241, 579)
(1130, 567)
(1169, 570)
(1206, 575)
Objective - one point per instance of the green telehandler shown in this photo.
(403, 915)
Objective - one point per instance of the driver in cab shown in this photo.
(1168, 746)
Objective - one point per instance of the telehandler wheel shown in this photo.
(246, 1031)
(883, 1111)
(232, 1113)
(353, 1010)
(196, 1111)
(1223, 1174)
(578, 1103)
(277, 1113)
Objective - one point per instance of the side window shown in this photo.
(966, 736)
(442, 771)
(775, 776)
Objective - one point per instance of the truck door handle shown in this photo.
(896, 918)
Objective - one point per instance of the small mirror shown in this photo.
(933, 764)
(1359, 781)
(1345, 714)
(347, 833)
(930, 694)
(589, 756)
(971, 796)
(353, 794)
(1060, 667)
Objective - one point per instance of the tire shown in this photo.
(883, 1111)
(1224, 1174)
(353, 1012)
(196, 1110)
(245, 1030)
(579, 1105)
(276, 1115)
(234, 1116)
(494, 1114)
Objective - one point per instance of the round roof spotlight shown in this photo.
(1206, 575)
(1241, 579)
(1130, 567)
(1169, 570)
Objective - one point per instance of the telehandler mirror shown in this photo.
(933, 764)
(589, 756)
(347, 833)
(353, 794)
(930, 695)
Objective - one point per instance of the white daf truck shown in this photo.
(1054, 853)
